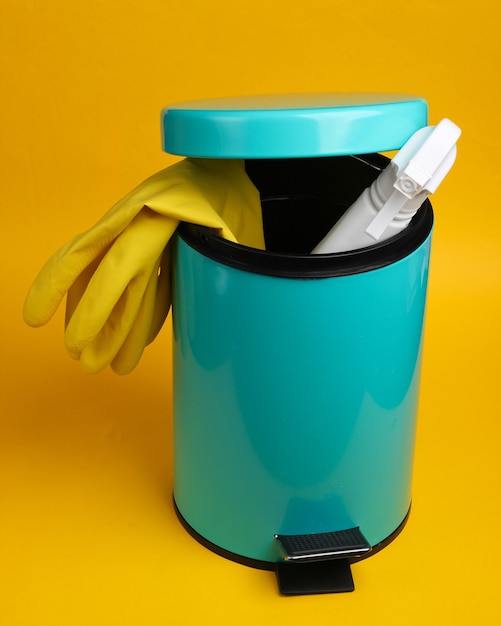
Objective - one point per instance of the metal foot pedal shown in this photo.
(320, 546)
(320, 562)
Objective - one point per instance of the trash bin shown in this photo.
(296, 376)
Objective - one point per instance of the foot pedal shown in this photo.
(320, 562)
(323, 546)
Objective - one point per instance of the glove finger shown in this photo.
(53, 281)
(79, 286)
(163, 295)
(118, 284)
(130, 352)
(96, 353)
(152, 312)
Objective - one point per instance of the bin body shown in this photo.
(295, 392)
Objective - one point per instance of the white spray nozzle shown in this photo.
(421, 166)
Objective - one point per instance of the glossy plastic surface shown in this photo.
(292, 125)
(294, 400)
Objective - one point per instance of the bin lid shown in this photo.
(292, 125)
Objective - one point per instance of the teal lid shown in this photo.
(294, 125)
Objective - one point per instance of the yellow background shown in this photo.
(87, 530)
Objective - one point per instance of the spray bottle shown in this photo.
(388, 205)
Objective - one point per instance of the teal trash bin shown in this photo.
(296, 376)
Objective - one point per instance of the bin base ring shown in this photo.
(269, 565)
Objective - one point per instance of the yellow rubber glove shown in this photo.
(117, 274)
